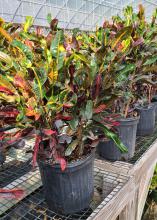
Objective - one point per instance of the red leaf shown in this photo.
(20, 82)
(19, 134)
(39, 31)
(2, 135)
(11, 193)
(115, 123)
(66, 118)
(29, 43)
(36, 149)
(75, 44)
(6, 90)
(100, 108)
(68, 105)
(49, 132)
(98, 83)
(62, 162)
(7, 114)
(54, 24)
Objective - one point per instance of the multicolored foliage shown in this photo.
(66, 90)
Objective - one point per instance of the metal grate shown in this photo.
(142, 145)
(17, 164)
(33, 206)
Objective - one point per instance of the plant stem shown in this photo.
(126, 109)
(81, 145)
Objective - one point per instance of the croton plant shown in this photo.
(51, 89)
(65, 90)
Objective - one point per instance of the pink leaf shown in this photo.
(62, 162)
(2, 134)
(138, 42)
(11, 193)
(49, 132)
(100, 108)
(36, 149)
(6, 90)
(115, 123)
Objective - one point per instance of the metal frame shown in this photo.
(117, 5)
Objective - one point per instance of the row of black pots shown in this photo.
(71, 191)
(127, 130)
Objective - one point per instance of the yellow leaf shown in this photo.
(119, 37)
(53, 75)
(61, 48)
(8, 98)
(5, 34)
(1, 21)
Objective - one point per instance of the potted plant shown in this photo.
(52, 88)
(127, 39)
(119, 78)
(147, 83)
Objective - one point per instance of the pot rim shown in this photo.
(145, 108)
(72, 164)
(128, 119)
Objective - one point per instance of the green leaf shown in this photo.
(22, 47)
(73, 123)
(93, 68)
(71, 147)
(28, 23)
(87, 113)
(151, 60)
(74, 98)
(60, 61)
(5, 82)
(38, 83)
(20, 116)
(79, 56)
(63, 96)
(123, 74)
(49, 18)
(112, 136)
(59, 38)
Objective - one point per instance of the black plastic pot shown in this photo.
(127, 133)
(155, 104)
(147, 120)
(69, 191)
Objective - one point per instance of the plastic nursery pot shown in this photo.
(127, 133)
(154, 101)
(147, 120)
(155, 105)
(68, 191)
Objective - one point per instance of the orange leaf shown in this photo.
(5, 34)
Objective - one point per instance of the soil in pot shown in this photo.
(71, 190)
(146, 123)
(127, 133)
